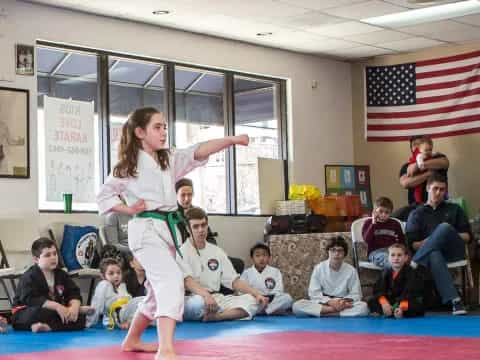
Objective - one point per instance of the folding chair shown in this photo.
(8, 275)
(357, 238)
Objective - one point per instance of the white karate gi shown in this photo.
(105, 296)
(269, 282)
(211, 269)
(149, 239)
(325, 284)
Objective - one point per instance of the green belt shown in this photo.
(172, 218)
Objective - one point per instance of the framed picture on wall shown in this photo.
(24, 59)
(14, 133)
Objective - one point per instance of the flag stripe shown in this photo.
(435, 117)
(457, 95)
(448, 59)
(440, 110)
(448, 84)
(426, 124)
(424, 69)
(441, 79)
(427, 131)
(398, 111)
(447, 91)
(439, 135)
(450, 71)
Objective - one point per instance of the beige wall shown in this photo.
(319, 121)
(386, 158)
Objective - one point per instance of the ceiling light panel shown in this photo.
(428, 14)
(445, 30)
(365, 10)
(343, 29)
(321, 4)
(469, 19)
(420, 4)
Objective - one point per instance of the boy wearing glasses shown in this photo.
(211, 268)
(334, 288)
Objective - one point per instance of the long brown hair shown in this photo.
(130, 144)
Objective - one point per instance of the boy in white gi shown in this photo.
(145, 177)
(211, 268)
(268, 280)
(111, 298)
(334, 288)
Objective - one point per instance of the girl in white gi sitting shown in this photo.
(268, 280)
(145, 177)
(334, 288)
(111, 298)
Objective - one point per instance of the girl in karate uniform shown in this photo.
(145, 178)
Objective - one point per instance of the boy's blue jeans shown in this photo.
(444, 245)
(379, 257)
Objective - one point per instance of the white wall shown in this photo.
(320, 120)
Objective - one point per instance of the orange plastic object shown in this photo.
(324, 206)
(349, 205)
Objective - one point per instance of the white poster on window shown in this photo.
(69, 149)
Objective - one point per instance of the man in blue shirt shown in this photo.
(437, 232)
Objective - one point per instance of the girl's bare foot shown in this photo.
(138, 346)
(86, 310)
(166, 354)
(40, 327)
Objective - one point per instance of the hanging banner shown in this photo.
(69, 149)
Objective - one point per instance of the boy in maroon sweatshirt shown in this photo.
(380, 231)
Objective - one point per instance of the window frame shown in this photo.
(170, 113)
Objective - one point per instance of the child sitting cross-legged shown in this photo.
(399, 289)
(111, 299)
(268, 280)
(46, 298)
(334, 288)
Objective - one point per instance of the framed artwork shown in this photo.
(24, 59)
(14, 133)
(349, 180)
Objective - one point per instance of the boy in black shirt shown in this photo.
(46, 298)
(399, 289)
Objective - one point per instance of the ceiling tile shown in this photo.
(378, 37)
(445, 30)
(419, 5)
(321, 4)
(361, 52)
(309, 19)
(411, 44)
(343, 29)
(330, 44)
(469, 19)
(365, 10)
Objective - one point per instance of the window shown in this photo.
(256, 114)
(69, 144)
(199, 117)
(132, 84)
(199, 104)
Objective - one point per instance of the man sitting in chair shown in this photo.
(437, 232)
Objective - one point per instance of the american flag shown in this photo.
(438, 97)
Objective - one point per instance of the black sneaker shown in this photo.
(458, 308)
